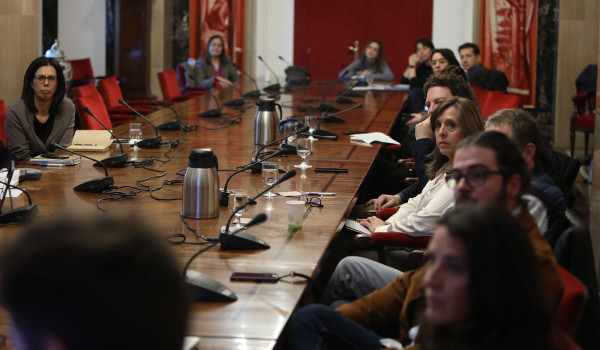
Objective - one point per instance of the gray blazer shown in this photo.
(21, 138)
(203, 72)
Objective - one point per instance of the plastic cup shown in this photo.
(295, 213)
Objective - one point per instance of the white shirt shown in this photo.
(419, 216)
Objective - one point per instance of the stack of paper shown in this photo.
(91, 141)
(374, 137)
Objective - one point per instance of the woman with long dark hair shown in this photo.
(215, 70)
(371, 63)
(43, 114)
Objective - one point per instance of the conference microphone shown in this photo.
(250, 94)
(255, 165)
(241, 240)
(117, 161)
(283, 59)
(213, 112)
(333, 118)
(279, 140)
(341, 98)
(272, 87)
(20, 214)
(205, 288)
(151, 142)
(98, 185)
(171, 125)
(325, 107)
(236, 102)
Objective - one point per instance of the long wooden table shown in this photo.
(258, 317)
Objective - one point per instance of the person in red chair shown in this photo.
(478, 75)
(43, 114)
(212, 69)
(487, 168)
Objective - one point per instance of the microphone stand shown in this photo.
(117, 161)
(272, 87)
(20, 214)
(341, 98)
(152, 142)
(242, 240)
(95, 185)
(237, 102)
(250, 94)
(205, 288)
(284, 150)
(213, 112)
(334, 118)
(171, 125)
(322, 106)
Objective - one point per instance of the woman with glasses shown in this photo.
(372, 63)
(453, 120)
(43, 114)
(215, 70)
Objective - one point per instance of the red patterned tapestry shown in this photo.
(508, 41)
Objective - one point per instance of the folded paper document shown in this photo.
(374, 137)
(90, 141)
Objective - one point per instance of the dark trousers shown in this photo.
(319, 327)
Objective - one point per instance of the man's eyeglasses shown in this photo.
(42, 78)
(311, 200)
(473, 178)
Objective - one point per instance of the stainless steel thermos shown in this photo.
(266, 121)
(201, 186)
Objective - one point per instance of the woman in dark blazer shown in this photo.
(43, 114)
(215, 70)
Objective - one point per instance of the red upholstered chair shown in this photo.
(83, 72)
(170, 87)
(571, 303)
(111, 94)
(380, 240)
(182, 79)
(90, 90)
(2, 119)
(583, 118)
(96, 105)
(493, 101)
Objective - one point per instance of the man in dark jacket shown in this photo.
(478, 75)
(549, 212)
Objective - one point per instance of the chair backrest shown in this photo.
(584, 103)
(111, 92)
(2, 119)
(82, 69)
(571, 303)
(168, 84)
(181, 76)
(96, 105)
(85, 90)
(492, 101)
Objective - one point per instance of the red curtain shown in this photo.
(509, 40)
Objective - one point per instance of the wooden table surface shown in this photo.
(257, 318)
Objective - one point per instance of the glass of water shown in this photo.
(135, 133)
(312, 121)
(270, 174)
(288, 129)
(304, 150)
(237, 199)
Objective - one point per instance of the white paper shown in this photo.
(14, 181)
(374, 137)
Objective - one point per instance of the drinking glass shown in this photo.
(312, 121)
(289, 128)
(369, 79)
(238, 198)
(135, 133)
(270, 174)
(304, 150)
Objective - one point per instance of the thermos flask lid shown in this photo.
(266, 104)
(201, 158)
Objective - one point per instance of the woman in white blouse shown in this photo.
(453, 120)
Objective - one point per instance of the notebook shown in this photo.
(91, 141)
(39, 160)
(353, 225)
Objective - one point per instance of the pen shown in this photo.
(52, 164)
(85, 144)
(320, 193)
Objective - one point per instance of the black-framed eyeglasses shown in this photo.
(474, 178)
(313, 201)
(42, 78)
